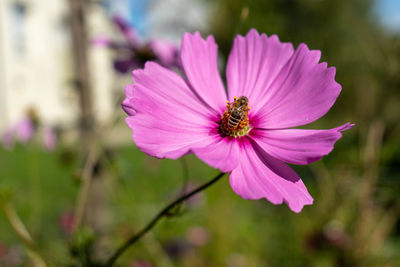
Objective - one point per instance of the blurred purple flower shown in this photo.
(133, 53)
(171, 116)
(176, 248)
(49, 138)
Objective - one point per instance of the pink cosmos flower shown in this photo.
(276, 88)
(134, 53)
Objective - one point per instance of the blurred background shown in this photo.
(67, 157)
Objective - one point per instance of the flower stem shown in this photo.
(20, 229)
(153, 222)
(87, 174)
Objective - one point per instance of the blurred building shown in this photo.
(35, 62)
(36, 59)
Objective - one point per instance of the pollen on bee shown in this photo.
(235, 121)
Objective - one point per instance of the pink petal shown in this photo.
(302, 92)
(170, 119)
(126, 105)
(298, 146)
(259, 175)
(166, 52)
(200, 62)
(222, 153)
(254, 63)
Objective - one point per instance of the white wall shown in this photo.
(40, 75)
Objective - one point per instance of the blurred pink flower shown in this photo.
(8, 139)
(133, 53)
(49, 138)
(198, 236)
(66, 221)
(171, 116)
(24, 130)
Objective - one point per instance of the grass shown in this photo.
(237, 232)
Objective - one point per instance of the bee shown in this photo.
(235, 118)
(238, 111)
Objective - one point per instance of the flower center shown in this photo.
(235, 120)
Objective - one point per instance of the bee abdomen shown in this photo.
(234, 121)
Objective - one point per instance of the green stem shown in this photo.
(87, 174)
(110, 262)
(22, 233)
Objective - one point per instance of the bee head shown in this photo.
(243, 101)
